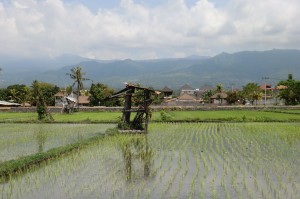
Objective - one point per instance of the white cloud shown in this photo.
(131, 30)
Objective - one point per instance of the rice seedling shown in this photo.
(186, 160)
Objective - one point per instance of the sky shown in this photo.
(146, 29)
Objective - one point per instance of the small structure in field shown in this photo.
(141, 96)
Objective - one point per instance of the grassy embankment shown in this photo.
(176, 116)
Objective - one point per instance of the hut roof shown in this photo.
(186, 96)
(84, 100)
(186, 87)
(167, 89)
(60, 94)
(206, 88)
(219, 95)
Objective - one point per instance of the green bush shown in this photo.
(164, 116)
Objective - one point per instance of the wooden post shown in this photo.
(127, 106)
(146, 107)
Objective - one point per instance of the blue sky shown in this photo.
(146, 29)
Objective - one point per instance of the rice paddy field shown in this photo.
(208, 115)
(18, 140)
(174, 160)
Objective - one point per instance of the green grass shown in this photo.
(222, 115)
(58, 117)
(17, 117)
(87, 116)
(233, 115)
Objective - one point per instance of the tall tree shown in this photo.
(99, 94)
(48, 91)
(41, 107)
(252, 92)
(78, 77)
(234, 97)
(18, 93)
(291, 94)
(219, 88)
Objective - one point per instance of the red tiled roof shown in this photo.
(267, 86)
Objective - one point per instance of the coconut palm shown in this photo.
(219, 88)
(78, 76)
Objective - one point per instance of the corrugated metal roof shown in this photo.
(4, 103)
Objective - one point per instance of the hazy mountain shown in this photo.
(229, 69)
(246, 66)
(25, 70)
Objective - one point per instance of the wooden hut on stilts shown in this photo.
(141, 119)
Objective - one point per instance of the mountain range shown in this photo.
(235, 69)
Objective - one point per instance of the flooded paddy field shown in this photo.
(174, 160)
(18, 140)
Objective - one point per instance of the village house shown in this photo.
(202, 89)
(187, 97)
(187, 89)
(60, 99)
(271, 95)
(167, 92)
(219, 98)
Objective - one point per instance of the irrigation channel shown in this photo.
(174, 160)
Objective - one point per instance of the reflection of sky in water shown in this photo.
(18, 140)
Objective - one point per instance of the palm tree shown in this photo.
(219, 88)
(78, 76)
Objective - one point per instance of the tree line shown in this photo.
(287, 90)
(98, 93)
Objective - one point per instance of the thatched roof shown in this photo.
(206, 88)
(166, 89)
(60, 94)
(186, 87)
(84, 100)
(219, 95)
(186, 96)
